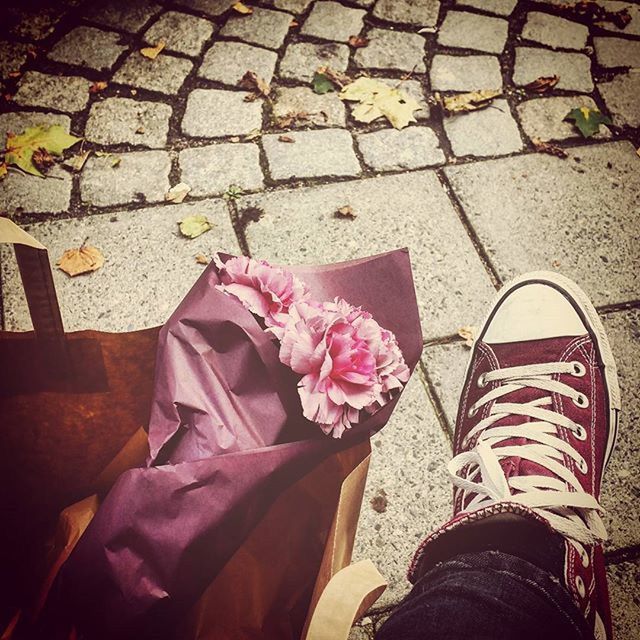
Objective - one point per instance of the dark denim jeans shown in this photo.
(488, 595)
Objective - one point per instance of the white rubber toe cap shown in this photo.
(533, 311)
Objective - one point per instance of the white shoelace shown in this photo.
(559, 499)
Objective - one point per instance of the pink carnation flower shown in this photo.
(347, 362)
(264, 290)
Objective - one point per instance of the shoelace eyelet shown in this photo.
(580, 433)
(472, 412)
(581, 401)
(584, 557)
(579, 369)
(482, 380)
(582, 465)
(579, 582)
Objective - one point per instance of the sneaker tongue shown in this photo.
(514, 354)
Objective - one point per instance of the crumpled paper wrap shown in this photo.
(226, 438)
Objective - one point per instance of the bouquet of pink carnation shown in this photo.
(347, 361)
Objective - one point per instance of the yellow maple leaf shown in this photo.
(377, 99)
(471, 101)
(242, 8)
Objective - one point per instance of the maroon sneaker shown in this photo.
(536, 426)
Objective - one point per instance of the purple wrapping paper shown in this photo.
(226, 436)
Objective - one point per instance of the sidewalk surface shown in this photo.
(468, 194)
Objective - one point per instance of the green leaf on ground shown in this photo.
(52, 140)
(587, 120)
(321, 83)
(194, 226)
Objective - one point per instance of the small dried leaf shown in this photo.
(551, 149)
(83, 260)
(472, 101)
(42, 159)
(431, 29)
(346, 212)
(194, 226)
(379, 502)
(358, 41)
(234, 139)
(253, 82)
(321, 83)
(543, 84)
(468, 334)
(294, 23)
(254, 134)
(286, 139)
(14, 74)
(78, 161)
(140, 129)
(202, 259)
(242, 9)
(337, 77)
(97, 87)
(3, 170)
(292, 119)
(177, 193)
(153, 52)
(115, 161)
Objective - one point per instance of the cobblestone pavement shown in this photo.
(467, 194)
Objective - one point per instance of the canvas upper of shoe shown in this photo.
(535, 428)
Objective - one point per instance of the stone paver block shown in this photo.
(64, 93)
(265, 27)
(333, 21)
(165, 74)
(473, 31)
(33, 21)
(621, 97)
(313, 154)
(488, 132)
(407, 463)
(128, 16)
(180, 32)
(294, 6)
(148, 267)
(12, 56)
(227, 62)
(411, 209)
(321, 109)
(423, 13)
(617, 52)
(631, 29)
(624, 579)
(574, 69)
(22, 193)
(140, 176)
(621, 485)
(303, 58)
(555, 32)
(211, 170)
(409, 148)
(465, 73)
(499, 7)
(126, 121)
(213, 8)
(392, 50)
(212, 112)
(19, 121)
(543, 118)
(88, 47)
(580, 213)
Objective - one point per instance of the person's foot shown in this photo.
(536, 426)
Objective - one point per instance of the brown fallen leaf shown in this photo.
(543, 84)
(471, 101)
(42, 159)
(242, 9)
(3, 170)
(14, 74)
(337, 77)
(468, 334)
(153, 52)
(254, 134)
(97, 87)
(292, 119)
(592, 12)
(294, 23)
(286, 139)
(83, 260)
(77, 162)
(379, 502)
(177, 193)
(547, 147)
(140, 129)
(202, 259)
(254, 83)
(358, 41)
(346, 212)
(556, 263)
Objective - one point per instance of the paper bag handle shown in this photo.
(37, 280)
(348, 595)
